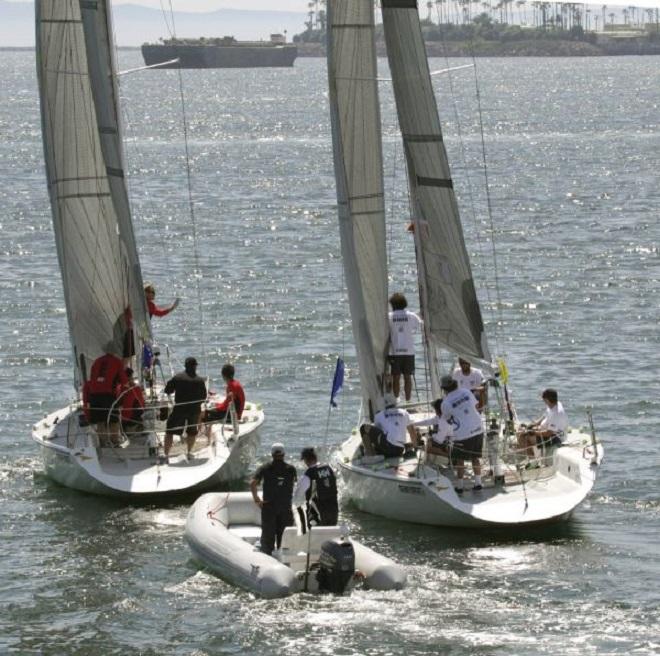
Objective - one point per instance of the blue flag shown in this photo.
(337, 382)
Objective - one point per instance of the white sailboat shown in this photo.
(419, 490)
(103, 287)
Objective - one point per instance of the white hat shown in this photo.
(277, 449)
(390, 400)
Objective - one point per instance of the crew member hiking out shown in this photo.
(317, 489)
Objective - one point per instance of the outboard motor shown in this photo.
(336, 566)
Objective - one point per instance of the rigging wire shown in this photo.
(470, 189)
(197, 268)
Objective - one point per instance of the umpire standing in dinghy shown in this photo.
(278, 478)
(317, 489)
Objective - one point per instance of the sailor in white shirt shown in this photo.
(547, 431)
(393, 424)
(403, 326)
(469, 377)
(440, 433)
(459, 409)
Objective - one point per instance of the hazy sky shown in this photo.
(210, 5)
(300, 5)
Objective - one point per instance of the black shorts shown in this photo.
(468, 449)
(183, 418)
(379, 441)
(99, 409)
(215, 415)
(547, 442)
(402, 364)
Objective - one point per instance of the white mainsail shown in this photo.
(356, 137)
(449, 302)
(84, 166)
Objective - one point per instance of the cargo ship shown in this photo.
(225, 52)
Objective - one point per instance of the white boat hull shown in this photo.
(72, 459)
(222, 529)
(408, 490)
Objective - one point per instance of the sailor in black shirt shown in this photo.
(278, 478)
(317, 489)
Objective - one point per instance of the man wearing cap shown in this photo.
(459, 408)
(317, 488)
(278, 478)
(189, 391)
(392, 424)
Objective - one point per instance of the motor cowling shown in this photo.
(336, 566)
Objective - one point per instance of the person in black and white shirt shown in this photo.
(403, 326)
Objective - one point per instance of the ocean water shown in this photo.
(573, 152)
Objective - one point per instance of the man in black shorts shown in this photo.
(403, 326)
(189, 394)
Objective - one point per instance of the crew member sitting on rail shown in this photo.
(548, 430)
(234, 394)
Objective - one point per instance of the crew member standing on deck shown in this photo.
(278, 478)
(189, 391)
(403, 326)
(317, 488)
(459, 409)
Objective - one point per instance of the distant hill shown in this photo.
(135, 24)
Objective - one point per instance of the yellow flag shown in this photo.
(504, 371)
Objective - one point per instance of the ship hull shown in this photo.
(233, 56)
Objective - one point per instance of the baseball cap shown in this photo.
(190, 362)
(277, 449)
(446, 382)
(389, 399)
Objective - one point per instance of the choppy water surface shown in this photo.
(573, 159)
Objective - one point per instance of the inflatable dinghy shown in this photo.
(223, 531)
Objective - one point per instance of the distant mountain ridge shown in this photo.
(135, 24)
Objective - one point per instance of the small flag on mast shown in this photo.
(337, 382)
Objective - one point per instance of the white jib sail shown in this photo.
(84, 167)
(356, 137)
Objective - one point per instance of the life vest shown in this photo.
(323, 488)
(106, 376)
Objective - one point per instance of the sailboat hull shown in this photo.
(71, 459)
(411, 491)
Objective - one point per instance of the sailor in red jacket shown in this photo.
(154, 310)
(233, 394)
(106, 380)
